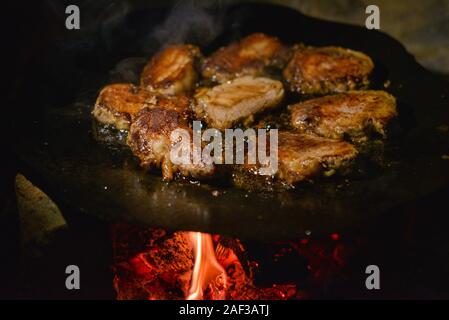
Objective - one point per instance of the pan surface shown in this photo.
(58, 150)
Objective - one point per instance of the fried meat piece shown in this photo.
(172, 70)
(150, 140)
(249, 56)
(325, 70)
(118, 103)
(304, 156)
(346, 113)
(237, 101)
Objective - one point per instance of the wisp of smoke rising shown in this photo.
(191, 21)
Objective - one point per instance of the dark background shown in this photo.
(33, 28)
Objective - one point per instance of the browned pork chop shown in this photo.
(249, 56)
(319, 71)
(346, 113)
(172, 71)
(149, 139)
(237, 101)
(118, 103)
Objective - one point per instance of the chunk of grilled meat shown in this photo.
(249, 56)
(347, 113)
(149, 139)
(304, 156)
(237, 101)
(118, 103)
(172, 71)
(319, 71)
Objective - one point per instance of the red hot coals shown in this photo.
(157, 265)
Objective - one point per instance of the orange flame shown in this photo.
(207, 271)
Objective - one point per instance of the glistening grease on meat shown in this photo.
(251, 56)
(172, 70)
(303, 157)
(169, 98)
(349, 113)
(325, 70)
(150, 140)
(117, 104)
(237, 101)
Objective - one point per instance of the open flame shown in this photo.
(207, 274)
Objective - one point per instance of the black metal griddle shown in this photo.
(57, 150)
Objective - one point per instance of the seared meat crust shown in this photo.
(249, 56)
(325, 70)
(347, 113)
(237, 101)
(149, 140)
(172, 70)
(163, 103)
(118, 103)
(304, 156)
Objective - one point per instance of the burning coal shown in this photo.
(158, 265)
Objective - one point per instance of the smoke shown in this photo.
(127, 70)
(188, 21)
(192, 21)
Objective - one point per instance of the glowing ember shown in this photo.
(207, 272)
(157, 264)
